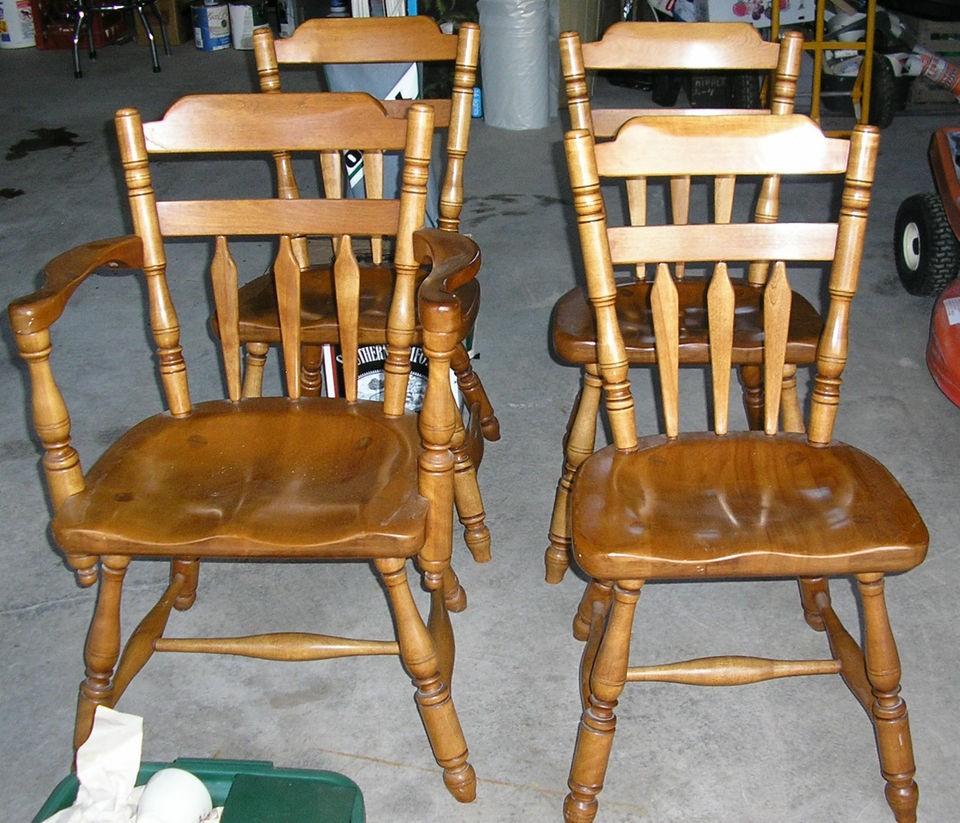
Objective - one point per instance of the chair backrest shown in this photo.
(324, 41)
(724, 145)
(238, 125)
(675, 47)
(681, 47)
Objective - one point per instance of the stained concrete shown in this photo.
(790, 751)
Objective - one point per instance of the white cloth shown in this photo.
(107, 767)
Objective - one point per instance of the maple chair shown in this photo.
(345, 41)
(681, 47)
(751, 505)
(267, 478)
(375, 40)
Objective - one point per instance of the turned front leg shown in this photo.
(598, 722)
(102, 648)
(810, 589)
(473, 391)
(597, 591)
(889, 711)
(578, 446)
(467, 497)
(751, 382)
(311, 367)
(433, 695)
(253, 370)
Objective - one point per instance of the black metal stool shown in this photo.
(86, 9)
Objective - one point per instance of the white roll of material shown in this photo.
(515, 63)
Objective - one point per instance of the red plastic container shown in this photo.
(943, 347)
(54, 25)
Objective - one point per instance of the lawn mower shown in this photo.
(928, 257)
(925, 235)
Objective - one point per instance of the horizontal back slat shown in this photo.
(607, 122)
(720, 45)
(739, 242)
(786, 144)
(198, 218)
(273, 122)
(441, 109)
(398, 40)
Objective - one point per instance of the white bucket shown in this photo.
(241, 25)
(244, 18)
(16, 24)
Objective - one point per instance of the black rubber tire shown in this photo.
(924, 245)
(883, 92)
(745, 90)
(835, 93)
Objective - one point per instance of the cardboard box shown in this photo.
(176, 19)
(756, 12)
(941, 37)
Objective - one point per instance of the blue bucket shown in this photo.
(211, 26)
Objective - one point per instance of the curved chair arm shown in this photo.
(31, 318)
(62, 276)
(454, 259)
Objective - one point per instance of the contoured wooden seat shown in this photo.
(680, 47)
(371, 40)
(705, 506)
(271, 478)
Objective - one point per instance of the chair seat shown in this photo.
(260, 321)
(575, 332)
(685, 509)
(259, 482)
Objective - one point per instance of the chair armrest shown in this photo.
(62, 276)
(31, 318)
(454, 259)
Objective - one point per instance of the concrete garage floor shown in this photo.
(790, 751)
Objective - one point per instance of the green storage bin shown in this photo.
(312, 796)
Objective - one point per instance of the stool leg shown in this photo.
(91, 43)
(163, 29)
(81, 20)
(150, 38)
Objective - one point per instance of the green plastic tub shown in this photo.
(251, 791)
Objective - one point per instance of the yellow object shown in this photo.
(861, 88)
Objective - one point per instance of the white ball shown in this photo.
(173, 796)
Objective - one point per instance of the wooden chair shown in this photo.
(374, 40)
(682, 47)
(267, 478)
(322, 41)
(751, 505)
